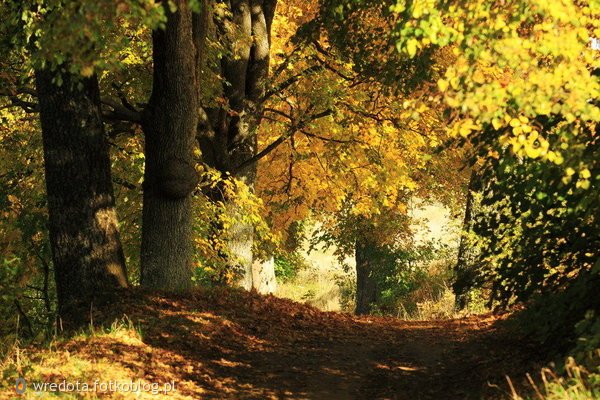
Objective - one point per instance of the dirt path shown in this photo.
(228, 344)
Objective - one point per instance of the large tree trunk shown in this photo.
(239, 247)
(228, 135)
(240, 130)
(170, 122)
(366, 284)
(263, 274)
(86, 249)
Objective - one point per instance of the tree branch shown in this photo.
(326, 139)
(290, 81)
(16, 101)
(396, 122)
(120, 112)
(278, 112)
(124, 183)
(264, 152)
(124, 101)
(325, 64)
(277, 142)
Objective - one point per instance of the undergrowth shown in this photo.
(318, 288)
(574, 382)
(49, 360)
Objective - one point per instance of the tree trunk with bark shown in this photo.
(463, 271)
(170, 121)
(88, 259)
(263, 274)
(366, 284)
(228, 135)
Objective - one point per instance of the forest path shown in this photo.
(224, 343)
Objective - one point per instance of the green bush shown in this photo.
(287, 265)
(409, 279)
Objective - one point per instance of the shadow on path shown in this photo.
(225, 343)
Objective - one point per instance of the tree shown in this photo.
(228, 130)
(86, 249)
(513, 83)
(463, 270)
(368, 291)
(169, 123)
(351, 150)
(178, 80)
(87, 255)
(223, 92)
(509, 91)
(24, 248)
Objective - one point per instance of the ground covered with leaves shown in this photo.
(224, 343)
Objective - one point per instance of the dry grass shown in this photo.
(74, 362)
(577, 383)
(317, 288)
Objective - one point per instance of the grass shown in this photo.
(577, 383)
(431, 308)
(332, 289)
(51, 361)
(315, 287)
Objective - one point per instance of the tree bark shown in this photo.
(463, 271)
(228, 135)
(169, 123)
(366, 284)
(86, 249)
(263, 274)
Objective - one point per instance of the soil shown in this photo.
(229, 344)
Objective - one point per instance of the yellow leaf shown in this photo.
(87, 71)
(411, 47)
(532, 152)
(583, 184)
(496, 123)
(478, 77)
(585, 173)
(443, 84)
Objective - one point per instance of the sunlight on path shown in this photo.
(227, 344)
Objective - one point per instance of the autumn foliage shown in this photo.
(192, 146)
